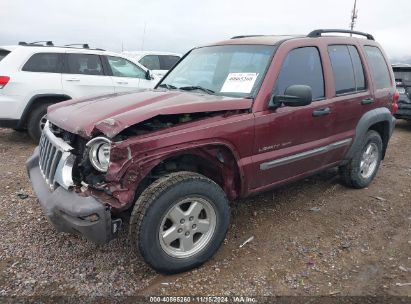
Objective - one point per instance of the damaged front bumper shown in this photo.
(70, 212)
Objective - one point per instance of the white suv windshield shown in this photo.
(230, 70)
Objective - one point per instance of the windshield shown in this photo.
(229, 70)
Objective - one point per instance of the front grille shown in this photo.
(54, 153)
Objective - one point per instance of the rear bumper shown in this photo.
(70, 212)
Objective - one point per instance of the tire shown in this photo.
(33, 124)
(160, 208)
(355, 174)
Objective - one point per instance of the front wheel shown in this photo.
(363, 167)
(179, 222)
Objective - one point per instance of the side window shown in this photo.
(378, 66)
(167, 61)
(84, 64)
(151, 62)
(302, 66)
(44, 62)
(344, 78)
(358, 68)
(124, 68)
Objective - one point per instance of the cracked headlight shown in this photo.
(99, 153)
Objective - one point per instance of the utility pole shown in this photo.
(354, 16)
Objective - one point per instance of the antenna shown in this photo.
(144, 35)
(354, 16)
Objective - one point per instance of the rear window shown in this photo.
(3, 53)
(168, 61)
(44, 62)
(379, 68)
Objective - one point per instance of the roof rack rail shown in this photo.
(318, 33)
(47, 43)
(245, 36)
(83, 45)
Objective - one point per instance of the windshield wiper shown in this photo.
(192, 88)
(167, 86)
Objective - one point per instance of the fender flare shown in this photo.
(367, 120)
(27, 109)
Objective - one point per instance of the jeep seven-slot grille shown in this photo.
(50, 156)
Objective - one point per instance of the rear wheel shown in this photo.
(363, 167)
(37, 120)
(179, 221)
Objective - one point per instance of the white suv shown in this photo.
(158, 62)
(34, 76)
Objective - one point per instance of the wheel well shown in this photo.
(382, 128)
(39, 100)
(216, 162)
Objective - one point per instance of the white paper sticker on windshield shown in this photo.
(239, 82)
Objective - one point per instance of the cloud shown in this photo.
(179, 25)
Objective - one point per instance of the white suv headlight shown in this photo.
(99, 153)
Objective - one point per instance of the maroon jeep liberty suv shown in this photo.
(230, 120)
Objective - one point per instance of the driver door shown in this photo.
(291, 141)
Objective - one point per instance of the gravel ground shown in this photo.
(313, 237)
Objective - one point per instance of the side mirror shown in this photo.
(149, 76)
(294, 96)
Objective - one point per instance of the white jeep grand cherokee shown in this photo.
(34, 76)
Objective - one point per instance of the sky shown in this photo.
(179, 25)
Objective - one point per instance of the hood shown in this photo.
(111, 114)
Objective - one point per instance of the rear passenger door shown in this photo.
(84, 75)
(126, 75)
(350, 98)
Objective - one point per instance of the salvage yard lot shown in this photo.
(313, 237)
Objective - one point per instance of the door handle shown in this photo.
(321, 112)
(122, 82)
(367, 101)
(73, 79)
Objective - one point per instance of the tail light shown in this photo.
(3, 81)
(394, 105)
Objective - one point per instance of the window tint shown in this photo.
(151, 62)
(302, 66)
(358, 68)
(124, 68)
(43, 62)
(378, 66)
(3, 53)
(168, 61)
(84, 64)
(342, 67)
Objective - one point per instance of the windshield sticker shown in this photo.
(239, 82)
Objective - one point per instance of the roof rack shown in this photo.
(318, 33)
(37, 43)
(50, 43)
(246, 36)
(83, 45)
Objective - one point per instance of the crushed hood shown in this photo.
(110, 114)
